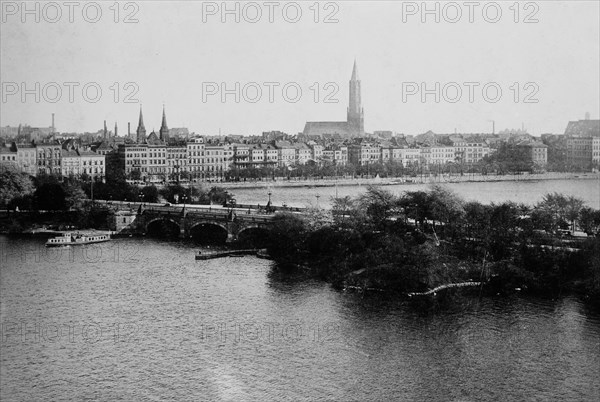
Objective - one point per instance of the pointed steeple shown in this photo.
(164, 130)
(141, 130)
(355, 119)
(354, 72)
(141, 122)
(164, 119)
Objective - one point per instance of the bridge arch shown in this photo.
(254, 236)
(207, 232)
(162, 227)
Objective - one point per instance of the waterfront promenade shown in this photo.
(424, 179)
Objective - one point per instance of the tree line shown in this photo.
(19, 191)
(422, 239)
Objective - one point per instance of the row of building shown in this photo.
(53, 159)
(161, 156)
(157, 160)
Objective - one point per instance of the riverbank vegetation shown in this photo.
(55, 193)
(61, 203)
(423, 239)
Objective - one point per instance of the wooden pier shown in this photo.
(226, 253)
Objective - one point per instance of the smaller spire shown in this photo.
(354, 72)
(164, 130)
(164, 119)
(141, 122)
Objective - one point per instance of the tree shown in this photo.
(510, 158)
(218, 195)
(74, 195)
(135, 175)
(14, 185)
(557, 209)
(573, 209)
(169, 192)
(288, 234)
(150, 193)
(344, 211)
(477, 218)
(416, 206)
(50, 196)
(503, 229)
(589, 221)
(379, 205)
(446, 207)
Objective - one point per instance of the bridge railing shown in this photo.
(249, 208)
(224, 214)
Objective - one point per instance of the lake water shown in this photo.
(529, 192)
(139, 319)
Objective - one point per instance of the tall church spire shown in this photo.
(354, 72)
(164, 130)
(355, 111)
(141, 130)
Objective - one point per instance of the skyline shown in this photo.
(167, 58)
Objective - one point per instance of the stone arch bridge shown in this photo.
(233, 222)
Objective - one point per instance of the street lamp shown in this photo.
(317, 196)
(268, 208)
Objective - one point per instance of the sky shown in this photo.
(535, 64)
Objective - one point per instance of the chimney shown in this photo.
(53, 130)
(128, 129)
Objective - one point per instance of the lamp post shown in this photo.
(268, 208)
(317, 196)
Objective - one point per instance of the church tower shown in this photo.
(141, 130)
(164, 130)
(356, 123)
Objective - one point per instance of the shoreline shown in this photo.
(467, 178)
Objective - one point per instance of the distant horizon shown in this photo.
(291, 134)
(417, 74)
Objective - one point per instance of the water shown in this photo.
(528, 192)
(139, 319)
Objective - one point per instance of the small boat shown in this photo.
(70, 239)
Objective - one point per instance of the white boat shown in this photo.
(70, 239)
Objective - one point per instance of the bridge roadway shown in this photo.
(238, 208)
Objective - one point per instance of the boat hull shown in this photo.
(77, 241)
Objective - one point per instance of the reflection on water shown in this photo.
(139, 319)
